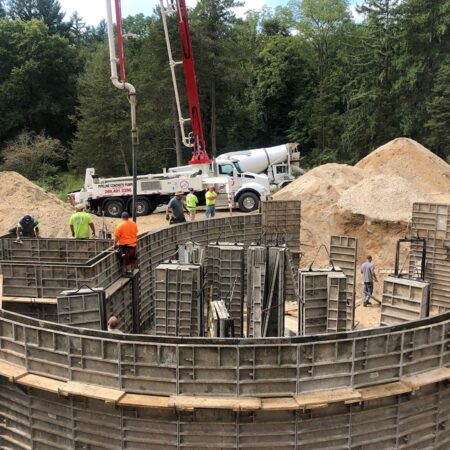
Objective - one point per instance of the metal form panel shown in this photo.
(432, 222)
(344, 254)
(403, 300)
(121, 304)
(83, 308)
(47, 280)
(225, 274)
(52, 249)
(273, 311)
(39, 420)
(256, 279)
(337, 302)
(161, 245)
(191, 253)
(281, 224)
(313, 305)
(38, 311)
(179, 303)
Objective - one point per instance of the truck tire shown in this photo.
(143, 207)
(113, 208)
(248, 202)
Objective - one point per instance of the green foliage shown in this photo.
(35, 156)
(49, 11)
(438, 125)
(37, 80)
(303, 73)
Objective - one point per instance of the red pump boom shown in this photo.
(196, 138)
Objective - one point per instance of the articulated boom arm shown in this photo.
(196, 138)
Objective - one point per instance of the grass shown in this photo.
(63, 183)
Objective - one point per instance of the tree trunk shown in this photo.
(176, 127)
(213, 119)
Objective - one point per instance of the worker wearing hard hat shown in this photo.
(80, 223)
(210, 196)
(26, 226)
(176, 209)
(191, 203)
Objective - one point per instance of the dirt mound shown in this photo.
(382, 197)
(408, 159)
(20, 196)
(370, 201)
(323, 184)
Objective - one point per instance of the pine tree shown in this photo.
(49, 11)
(439, 111)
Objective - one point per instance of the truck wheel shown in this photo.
(248, 202)
(142, 206)
(113, 208)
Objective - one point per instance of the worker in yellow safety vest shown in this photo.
(191, 203)
(210, 197)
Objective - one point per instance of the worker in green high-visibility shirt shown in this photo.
(191, 203)
(81, 223)
(210, 196)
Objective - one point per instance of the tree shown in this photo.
(423, 44)
(2, 10)
(35, 156)
(439, 112)
(372, 116)
(102, 136)
(319, 23)
(37, 80)
(215, 55)
(49, 11)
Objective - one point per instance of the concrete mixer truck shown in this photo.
(279, 163)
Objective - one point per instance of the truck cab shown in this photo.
(249, 188)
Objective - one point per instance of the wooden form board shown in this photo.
(303, 401)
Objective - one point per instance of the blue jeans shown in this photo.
(210, 211)
(368, 291)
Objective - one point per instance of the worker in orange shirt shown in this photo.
(125, 239)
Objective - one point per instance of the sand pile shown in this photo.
(20, 196)
(408, 159)
(382, 197)
(371, 201)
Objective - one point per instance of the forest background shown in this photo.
(307, 73)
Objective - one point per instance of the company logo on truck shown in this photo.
(117, 188)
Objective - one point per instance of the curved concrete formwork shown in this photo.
(67, 388)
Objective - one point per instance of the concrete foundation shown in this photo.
(62, 387)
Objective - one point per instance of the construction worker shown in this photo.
(113, 323)
(176, 209)
(368, 272)
(210, 197)
(125, 239)
(191, 203)
(80, 223)
(27, 226)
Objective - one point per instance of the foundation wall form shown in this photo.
(281, 224)
(161, 245)
(52, 249)
(403, 300)
(48, 279)
(344, 254)
(38, 420)
(226, 367)
(432, 222)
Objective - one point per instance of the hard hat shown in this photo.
(179, 193)
(79, 207)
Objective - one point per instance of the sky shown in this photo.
(92, 11)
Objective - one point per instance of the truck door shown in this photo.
(230, 171)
